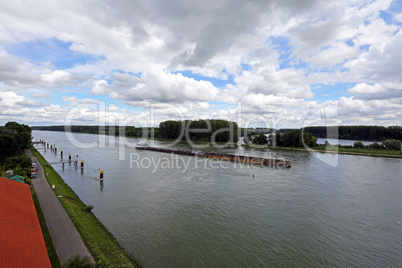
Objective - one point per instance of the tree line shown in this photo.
(214, 130)
(130, 131)
(199, 130)
(365, 133)
(391, 144)
(294, 138)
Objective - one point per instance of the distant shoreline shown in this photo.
(396, 155)
(347, 151)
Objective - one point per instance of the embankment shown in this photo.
(100, 242)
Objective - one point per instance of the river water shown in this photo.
(182, 211)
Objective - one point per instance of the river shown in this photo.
(182, 211)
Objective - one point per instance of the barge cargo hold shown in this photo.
(269, 162)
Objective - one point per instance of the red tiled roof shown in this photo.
(21, 239)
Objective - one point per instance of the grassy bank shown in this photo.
(100, 242)
(51, 250)
(347, 150)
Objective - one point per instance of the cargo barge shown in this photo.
(269, 162)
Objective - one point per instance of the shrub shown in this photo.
(375, 145)
(392, 144)
(358, 145)
(88, 208)
(77, 261)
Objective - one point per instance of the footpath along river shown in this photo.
(186, 212)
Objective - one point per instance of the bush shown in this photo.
(77, 261)
(88, 208)
(376, 146)
(21, 164)
(392, 144)
(358, 145)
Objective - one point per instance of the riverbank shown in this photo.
(175, 141)
(100, 242)
(343, 150)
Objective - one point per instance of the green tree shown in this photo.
(392, 144)
(376, 146)
(8, 147)
(358, 145)
(260, 139)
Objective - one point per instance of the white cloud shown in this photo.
(363, 88)
(42, 95)
(9, 99)
(377, 91)
(397, 17)
(162, 87)
(100, 87)
(56, 76)
(329, 42)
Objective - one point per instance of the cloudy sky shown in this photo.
(278, 63)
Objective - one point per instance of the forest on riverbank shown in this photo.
(171, 130)
(199, 130)
(14, 138)
(362, 133)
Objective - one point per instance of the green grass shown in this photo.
(371, 151)
(97, 238)
(51, 250)
(348, 150)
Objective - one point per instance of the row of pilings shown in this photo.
(53, 148)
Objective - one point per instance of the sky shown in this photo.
(281, 64)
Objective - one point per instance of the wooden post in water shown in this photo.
(55, 150)
(69, 157)
(61, 154)
(101, 175)
(82, 164)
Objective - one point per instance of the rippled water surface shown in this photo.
(182, 211)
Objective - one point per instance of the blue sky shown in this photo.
(276, 60)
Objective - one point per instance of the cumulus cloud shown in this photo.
(56, 76)
(139, 49)
(100, 87)
(42, 95)
(376, 91)
(162, 87)
(364, 88)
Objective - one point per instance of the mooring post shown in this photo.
(55, 150)
(101, 175)
(69, 157)
(61, 154)
(82, 164)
